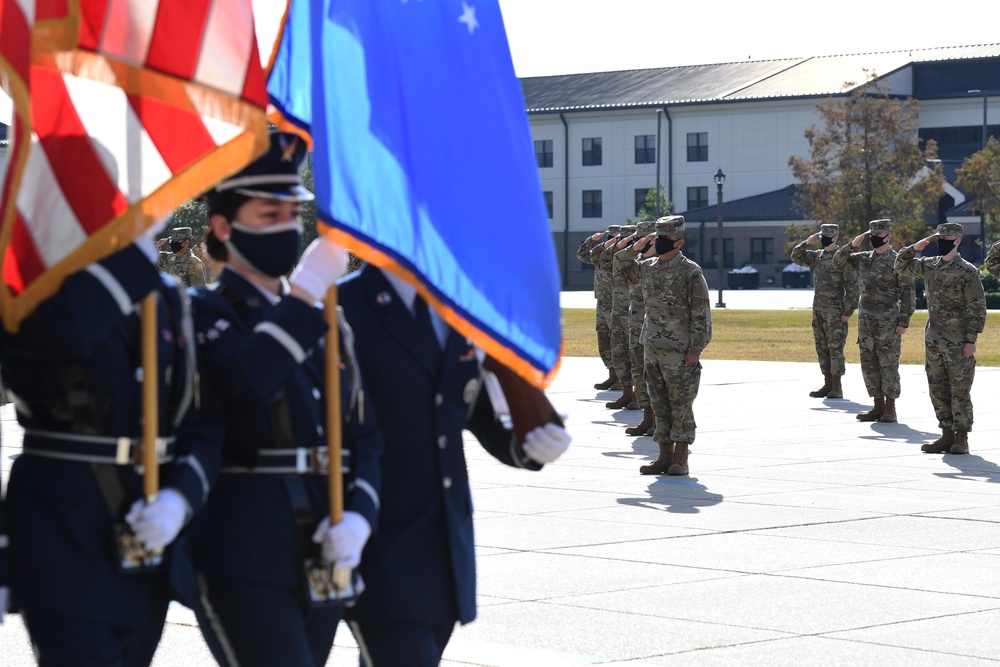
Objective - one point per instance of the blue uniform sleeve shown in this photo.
(367, 444)
(253, 365)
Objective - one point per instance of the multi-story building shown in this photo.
(603, 140)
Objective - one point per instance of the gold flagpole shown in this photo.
(341, 577)
(150, 400)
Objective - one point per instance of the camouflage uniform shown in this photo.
(636, 318)
(835, 295)
(620, 302)
(956, 315)
(678, 321)
(887, 301)
(186, 268)
(590, 253)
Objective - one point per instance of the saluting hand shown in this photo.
(813, 238)
(923, 243)
(859, 239)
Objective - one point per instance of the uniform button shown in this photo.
(316, 393)
(438, 399)
(442, 441)
(446, 482)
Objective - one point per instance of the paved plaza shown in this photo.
(801, 536)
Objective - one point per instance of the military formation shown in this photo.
(238, 522)
(669, 324)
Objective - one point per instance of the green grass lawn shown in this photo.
(778, 335)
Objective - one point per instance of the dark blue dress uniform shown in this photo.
(419, 565)
(74, 370)
(265, 364)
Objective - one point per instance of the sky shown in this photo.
(569, 36)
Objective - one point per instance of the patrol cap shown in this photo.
(884, 225)
(670, 224)
(181, 234)
(275, 174)
(829, 229)
(628, 230)
(645, 228)
(614, 229)
(950, 229)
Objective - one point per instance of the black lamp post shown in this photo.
(720, 178)
(982, 216)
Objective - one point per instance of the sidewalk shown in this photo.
(754, 299)
(802, 536)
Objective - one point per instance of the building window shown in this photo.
(548, 202)
(592, 204)
(640, 199)
(645, 149)
(761, 251)
(697, 146)
(727, 254)
(543, 153)
(592, 152)
(697, 197)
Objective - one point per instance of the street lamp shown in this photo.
(720, 178)
(982, 216)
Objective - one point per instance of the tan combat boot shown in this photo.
(652, 428)
(610, 382)
(961, 445)
(825, 389)
(875, 413)
(942, 444)
(647, 421)
(625, 402)
(663, 462)
(680, 466)
(835, 389)
(890, 410)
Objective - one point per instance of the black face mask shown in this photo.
(664, 245)
(270, 251)
(877, 241)
(176, 245)
(825, 240)
(945, 246)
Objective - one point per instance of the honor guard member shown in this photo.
(956, 315)
(261, 340)
(179, 260)
(835, 296)
(590, 252)
(636, 318)
(426, 384)
(678, 328)
(620, 301)
(884, 309)
(75, 512)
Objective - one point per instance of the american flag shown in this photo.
(123, 110)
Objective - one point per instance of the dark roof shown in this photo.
(774, 205)
(762, 79)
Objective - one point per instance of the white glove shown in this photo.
(4, 601)
(157, 525)
(146, 241)
(320, 266)
(546, 443)
(342, 543)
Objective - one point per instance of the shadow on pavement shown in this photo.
(841, 405)
(970, 466)
(902, 432)
(680, 495)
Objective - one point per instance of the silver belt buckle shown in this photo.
(122, 450)
(320, 460)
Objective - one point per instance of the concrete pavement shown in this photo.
(753, 299)
(802, 536)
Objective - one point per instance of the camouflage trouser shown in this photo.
(879, 344)
(637, 359)
(604, 338)
(619, 348)
(830, 335)
(949, 379)
(672, 390)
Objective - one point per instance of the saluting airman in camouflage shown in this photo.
(636, 318)
(835, 295)
(678, 328)
(590, 252)
(992, 263)
(884, 309)
(179, 261)
(956, 315)
(620, 303)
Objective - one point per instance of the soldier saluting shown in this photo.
(179, 261)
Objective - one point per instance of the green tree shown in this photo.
(866, 163)
(193, 214)
(980, 178)
(649, 209)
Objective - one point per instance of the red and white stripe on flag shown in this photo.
(147, 105)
